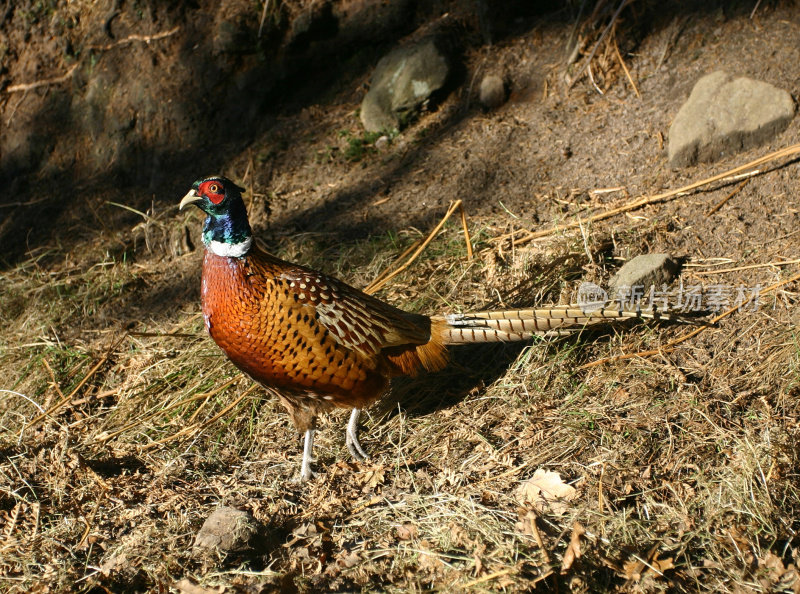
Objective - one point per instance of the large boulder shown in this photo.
(641, 273)
(725, 114)
(402, 82)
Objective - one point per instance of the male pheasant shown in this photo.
(319, 342)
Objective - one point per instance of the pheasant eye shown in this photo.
(214, 191)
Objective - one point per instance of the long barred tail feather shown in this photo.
(516, 325)
(522, 324)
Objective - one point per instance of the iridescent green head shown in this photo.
(226, 231)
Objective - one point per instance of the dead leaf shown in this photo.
(790, 579)
(736, 539)
(773, 563)
(573, 552)
(428, 560)
(373, 477)
(476, 555)
(632, 570)
(662, 565)
(459, 536)
(505, 582)
(406, 531)
(113, 563)
(487, 498)
(781, 578)
(546, 491)
(620, 396)
(635, 568)
(527, 523)
(307, 531)
(345, 559)
(186, 586)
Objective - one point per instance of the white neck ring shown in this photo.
(230, 250)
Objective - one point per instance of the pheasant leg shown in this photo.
(351, 437)
(305, 465)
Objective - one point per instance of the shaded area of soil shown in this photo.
(138, 121)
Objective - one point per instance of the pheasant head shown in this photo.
(226, 230)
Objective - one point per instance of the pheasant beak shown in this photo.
(191, 196)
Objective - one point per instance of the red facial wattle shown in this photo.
(213, 190)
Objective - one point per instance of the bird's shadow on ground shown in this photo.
(471, 367)
(474, 368)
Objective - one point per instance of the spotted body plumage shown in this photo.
(306, 335)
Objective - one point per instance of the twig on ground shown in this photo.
(365, 505)
(467, 237)
(26, 203)
(131, 38)
(625, 68)
(489, 577)
(80, 385)
(603, 35)
(54, 384)
(591, 78)
(673, 32)
(733, 193)
(90, 521)
(213, 392)
(43, 83)
(748, 267)
(263, 17)
(384, 277)
(735, 173)
(407, 251)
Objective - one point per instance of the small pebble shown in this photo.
(493, 91)
(382, 143)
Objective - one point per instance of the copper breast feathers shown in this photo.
(291, 327)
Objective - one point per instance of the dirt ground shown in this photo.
(122, 427)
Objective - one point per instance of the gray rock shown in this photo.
(226, 530)
(492, 92)
(724, 115)
(403, 80)
(643, 271)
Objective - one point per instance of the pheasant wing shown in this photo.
(356, 320)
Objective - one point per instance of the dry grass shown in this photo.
(685, 466)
